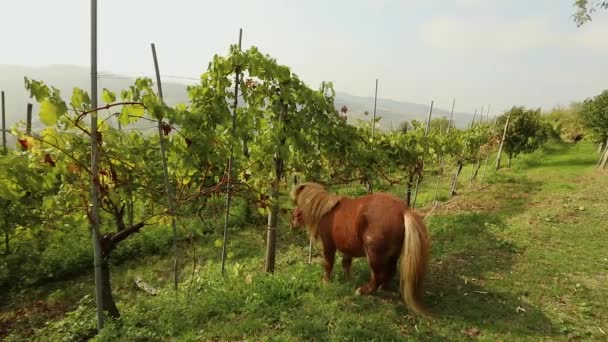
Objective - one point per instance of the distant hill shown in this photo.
(394, 112)
(66, 77)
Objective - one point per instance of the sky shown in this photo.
(502, 53)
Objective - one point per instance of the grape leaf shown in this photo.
(49, 113)
(80, 98)
(108, 96)
(130, 114)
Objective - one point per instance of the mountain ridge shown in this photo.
(66, 76)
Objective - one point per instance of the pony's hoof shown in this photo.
(362, 291)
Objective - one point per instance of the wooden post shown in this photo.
(273, 214)
(4, 150)
(460, 162)
(485, 167)
(447, 131)
(441, 162)
(375, 102)
(455, 179)
(94, 215)
(428, 121)
(473, 121)
(475, 169)
(29, 119)
(230, 161)
(168, 190)
(502, 142)
(604, 158)
(369, 183)
(600, 151)
(426, 133)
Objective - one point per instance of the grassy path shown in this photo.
(524, 259)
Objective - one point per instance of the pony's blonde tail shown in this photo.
(414, 256)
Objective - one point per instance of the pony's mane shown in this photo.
(315, 202)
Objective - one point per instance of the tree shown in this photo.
(467, 147)
(566, 120)
(594, 116)
(527, 131)
(584, 9)
(130, 178)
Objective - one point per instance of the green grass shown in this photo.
(523, 259)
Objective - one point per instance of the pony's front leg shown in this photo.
(329, 254)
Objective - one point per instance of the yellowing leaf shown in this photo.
(80, 98)
(130, 114)
(49, 113)
(108, 96)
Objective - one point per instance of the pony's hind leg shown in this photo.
(379, 272)
(347, 262)
(390, 273)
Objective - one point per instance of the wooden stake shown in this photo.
(29, 119)
(369, 183)
(273, 214)
(168, 190)
(442, 161)
(502, 142)
(460, 163)
(485, 167)
(426, 133)
(5, 151)
(230, 161)
(94, 215)
(375, 102)
(604, 158)
(451, 117)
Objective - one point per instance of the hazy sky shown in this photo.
(509, 52)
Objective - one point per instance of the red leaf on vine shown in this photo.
(73, 168)
(344, 109)
(24, 144)
(49, 160)
(166, 129)
(188, 142)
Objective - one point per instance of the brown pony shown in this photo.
(379, 226)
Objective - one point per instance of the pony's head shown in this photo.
(312, 202)
(297, 218)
